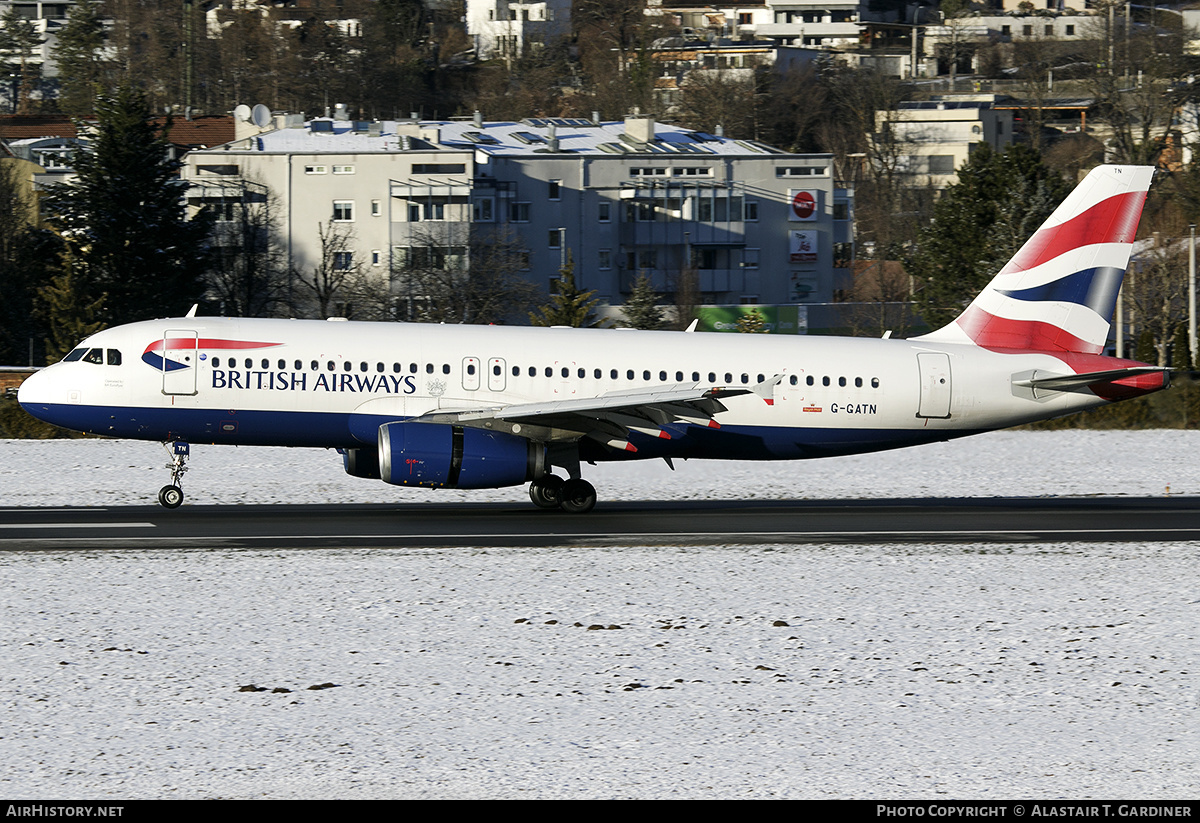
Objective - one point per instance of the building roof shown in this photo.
(27, 126)
(200, 132)
(531, 137)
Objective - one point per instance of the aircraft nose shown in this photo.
(36, 395)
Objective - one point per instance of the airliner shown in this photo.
(475, 407)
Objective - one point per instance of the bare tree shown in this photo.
(330, 281)
(455, 275)
(248, 276)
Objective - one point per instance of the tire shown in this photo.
(577, 496)
(171, 497)
(544, 492)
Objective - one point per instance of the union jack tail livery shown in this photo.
(1058, 292)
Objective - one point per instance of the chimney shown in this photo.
(478, 119)
(552, 135)
(640, 128)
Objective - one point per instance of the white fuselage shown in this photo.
(331, 384)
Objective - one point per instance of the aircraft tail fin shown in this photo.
(1059, 291)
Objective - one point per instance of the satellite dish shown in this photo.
(242, 113)
(261, 116)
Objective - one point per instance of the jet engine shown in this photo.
(442, 455)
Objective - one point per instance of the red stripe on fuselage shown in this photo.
(1114, 220)
(207, 343)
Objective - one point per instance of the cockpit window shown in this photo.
(74, 355)
(114, 357)
(94, 356)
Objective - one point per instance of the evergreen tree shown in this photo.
(641, 310)
(28, 257)
(568, 306)
(124, 217)
(78, 52)
(1181, 352)
(998, 201)
(70, 314)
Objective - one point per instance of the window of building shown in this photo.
(518, 212)
(483, 210)
(343, 169)
(604, 259)
(343, 211)
(439, 168)
(750, 258)
(376, 208)
(343, 260)
(554, 238)
(941, 164)
(316, 169)
(605, 211)
(555, 190)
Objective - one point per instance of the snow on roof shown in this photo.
(501, 138)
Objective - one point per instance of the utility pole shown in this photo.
(1192, 293)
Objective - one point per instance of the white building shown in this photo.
(504, 29)
(932, 139)
(758, 225)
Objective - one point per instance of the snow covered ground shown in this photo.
(980, 671)
(1022, 463)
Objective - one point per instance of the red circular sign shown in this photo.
(804, 205)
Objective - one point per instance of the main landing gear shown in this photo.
(172, 496)
(576, 495)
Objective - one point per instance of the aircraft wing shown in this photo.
(657, 411)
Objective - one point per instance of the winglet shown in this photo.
(192, 310)
(692, 326)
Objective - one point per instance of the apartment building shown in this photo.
(621, 199)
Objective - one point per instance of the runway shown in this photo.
(966, 520)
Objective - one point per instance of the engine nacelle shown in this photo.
(440, 455)
(361, 462)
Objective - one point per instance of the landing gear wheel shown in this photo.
(170, 496)
(544, 491)
(577, 496)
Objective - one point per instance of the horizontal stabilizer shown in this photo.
(1067, 382)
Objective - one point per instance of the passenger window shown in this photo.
(745, 378)
(874, 382)
(712, 377)
(533, 371)
(761, 378)
(330, 365)
(396, 368)
(597, 374)
(314, 365)
(429, 368)
(299, 365)
(347, 366)
(216, 362)
(249, 363)
(549, 372)
(629, 374)
(412, 368)
(566, 372)
(362, 366)
(842, 382)
(282, 364)
(662, 376)
(581, 373)
(646, 374)
(728, 378)
(858, 382)
(114, 357)
(612, 375)
(824, 381)
(266, 364)
(378, 367)
(445, 368)
(678, 377)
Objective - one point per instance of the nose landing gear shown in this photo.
(171, 496)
